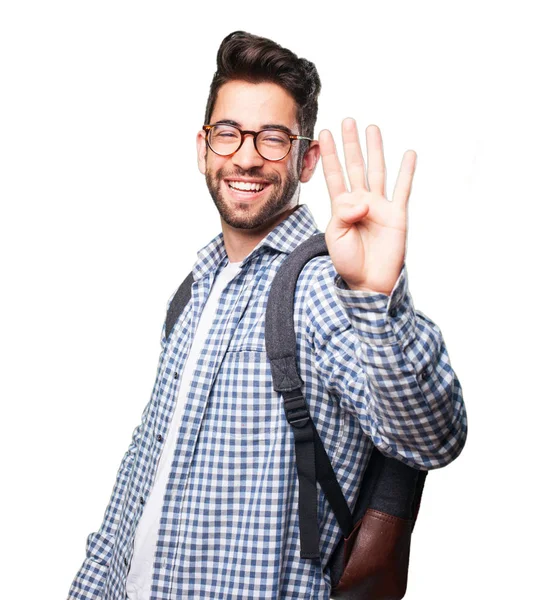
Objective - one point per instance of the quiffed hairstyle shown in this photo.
(247, 57)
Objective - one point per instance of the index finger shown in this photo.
(332, 168)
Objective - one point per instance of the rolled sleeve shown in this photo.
(379, 319)
(389, 365)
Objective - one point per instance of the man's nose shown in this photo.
(247, 156)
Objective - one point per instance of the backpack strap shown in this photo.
(312, 461)
(178, 303)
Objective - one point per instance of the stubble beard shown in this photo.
(244, 215)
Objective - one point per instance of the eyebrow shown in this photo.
(266, 126)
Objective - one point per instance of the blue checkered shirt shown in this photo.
(375, 371)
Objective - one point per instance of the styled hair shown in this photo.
(254, 59)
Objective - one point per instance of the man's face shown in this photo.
(251, 106)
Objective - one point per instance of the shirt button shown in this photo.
(392, 312)
(141, 500)
(125, 561)
(159, 437)
(424, 374)
(175, 375)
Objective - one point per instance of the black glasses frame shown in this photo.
(255, 134)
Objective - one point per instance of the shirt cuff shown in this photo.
(378, 319)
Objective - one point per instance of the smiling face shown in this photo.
(253, 106)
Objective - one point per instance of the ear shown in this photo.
(309, 162)
(201, 150)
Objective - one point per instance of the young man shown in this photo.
(205, 503)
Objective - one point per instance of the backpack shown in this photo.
(370, 562)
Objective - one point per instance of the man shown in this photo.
(205, 500)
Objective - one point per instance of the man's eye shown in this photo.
(274, 141)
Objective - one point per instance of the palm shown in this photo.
(366, 236)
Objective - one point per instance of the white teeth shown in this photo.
(242, 185)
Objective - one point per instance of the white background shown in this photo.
(104, 209)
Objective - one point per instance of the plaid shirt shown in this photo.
(375, 371)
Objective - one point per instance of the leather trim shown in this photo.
(376, 556)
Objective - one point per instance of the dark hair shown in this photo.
(248, 57)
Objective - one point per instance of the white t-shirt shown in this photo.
(139, 578)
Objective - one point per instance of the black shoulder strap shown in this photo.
(178, 303)
(388, 485)
(312, 461)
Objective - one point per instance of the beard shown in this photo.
(252, 215)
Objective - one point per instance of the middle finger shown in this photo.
(355, 165)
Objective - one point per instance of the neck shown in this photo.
(240, 242)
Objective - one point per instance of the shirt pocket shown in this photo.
(243, 398)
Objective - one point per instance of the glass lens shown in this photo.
(224, 139)
(273, 144)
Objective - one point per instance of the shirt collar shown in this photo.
(285, 237)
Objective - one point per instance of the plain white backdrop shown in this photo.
(104, 209)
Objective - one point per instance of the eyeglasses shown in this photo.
(271, 144)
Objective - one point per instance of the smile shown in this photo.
(242, 190)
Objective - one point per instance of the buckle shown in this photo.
(296, 411)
